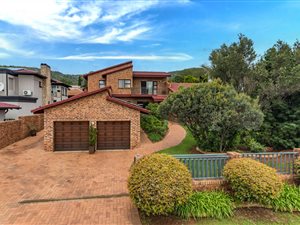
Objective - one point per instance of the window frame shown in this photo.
(125, 83)
(101, 85)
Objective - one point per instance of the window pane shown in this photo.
(121, 83)
(102, 83)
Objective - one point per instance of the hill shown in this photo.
(71, 79)
(190, 75)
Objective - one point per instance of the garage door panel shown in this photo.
(71, 135)
(113, 135)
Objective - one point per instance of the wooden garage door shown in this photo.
(113, 135)
(71, 135)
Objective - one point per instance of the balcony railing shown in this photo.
(149, 91)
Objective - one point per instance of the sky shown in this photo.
(77, 37)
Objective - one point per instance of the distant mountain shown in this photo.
(70, 79)
(190, 75)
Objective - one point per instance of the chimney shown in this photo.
(46, 71)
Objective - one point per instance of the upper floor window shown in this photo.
(40, 84)
(125, 83)
(102, 83)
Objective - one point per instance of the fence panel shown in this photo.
(204, 166)
(283, 162)
(210, 166)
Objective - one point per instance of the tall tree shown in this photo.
(234, 63)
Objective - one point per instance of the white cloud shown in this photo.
(4, 55)
(79, 21)
(169, 57)
(8, 43)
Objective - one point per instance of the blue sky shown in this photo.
(81, 36)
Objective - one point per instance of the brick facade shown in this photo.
(15, 130)
(111, 80)
(91, 108)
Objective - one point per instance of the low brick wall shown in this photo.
(15, 130)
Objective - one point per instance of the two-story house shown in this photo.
(59, 90)
(28, 89)
(137, 87)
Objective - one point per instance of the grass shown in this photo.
(185, 147)
(245, 216)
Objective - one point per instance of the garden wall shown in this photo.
(14, 130)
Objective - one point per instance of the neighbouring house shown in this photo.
(4, 107)
(59, 90)
(138, 87)
(175, 87)
(28, 89)
(74, 90)
(66, 123)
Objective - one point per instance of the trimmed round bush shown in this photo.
(158, 183)
(251, 180)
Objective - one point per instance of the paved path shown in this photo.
(28, 172)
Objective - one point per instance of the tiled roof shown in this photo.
(85, 94)
(58, 82)
(175, 86)
(29, 72)
(4, 105)
(74, 91)
(150, 74)
(111, 69)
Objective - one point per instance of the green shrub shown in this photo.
(253, 145)
(155, 128)
(206, 204)
(158, 183)
(288, 200)
(297, 168)
(251, 180)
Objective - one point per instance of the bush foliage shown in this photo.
(297, 168)
(288, 200)
(215, 204)
(251, 180)
(158, 183)
(155, 127)
(214, 113)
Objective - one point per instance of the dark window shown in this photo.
(125, 83)
(102, 83)
(40, 84)
(149, 87)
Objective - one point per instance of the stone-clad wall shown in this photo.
(91, 108)
(15, 130)
(111, 80)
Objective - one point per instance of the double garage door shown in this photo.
(74, 135)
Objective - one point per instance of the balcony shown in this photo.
(149, 91)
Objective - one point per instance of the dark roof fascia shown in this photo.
(17, 99)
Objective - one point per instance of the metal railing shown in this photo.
(210, 166)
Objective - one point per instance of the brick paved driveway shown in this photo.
(28, 172)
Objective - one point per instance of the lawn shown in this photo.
(245, 216)
(187, 146)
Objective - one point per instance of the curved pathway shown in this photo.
(29, 173)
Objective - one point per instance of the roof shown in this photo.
(29, 72)
(150, 74)
(156, 98)
(111, 69)
(74, 91)
(4, 105)
(85, 94)
(58, 82)
(174, 87)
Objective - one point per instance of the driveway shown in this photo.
(29, 173)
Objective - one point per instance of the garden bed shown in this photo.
(245, 216)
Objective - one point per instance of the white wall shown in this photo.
(25, 111)
(3, 80)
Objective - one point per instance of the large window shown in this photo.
(149, 87)
(102, 83)
(125, 83)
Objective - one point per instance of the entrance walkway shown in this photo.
(28, 172)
